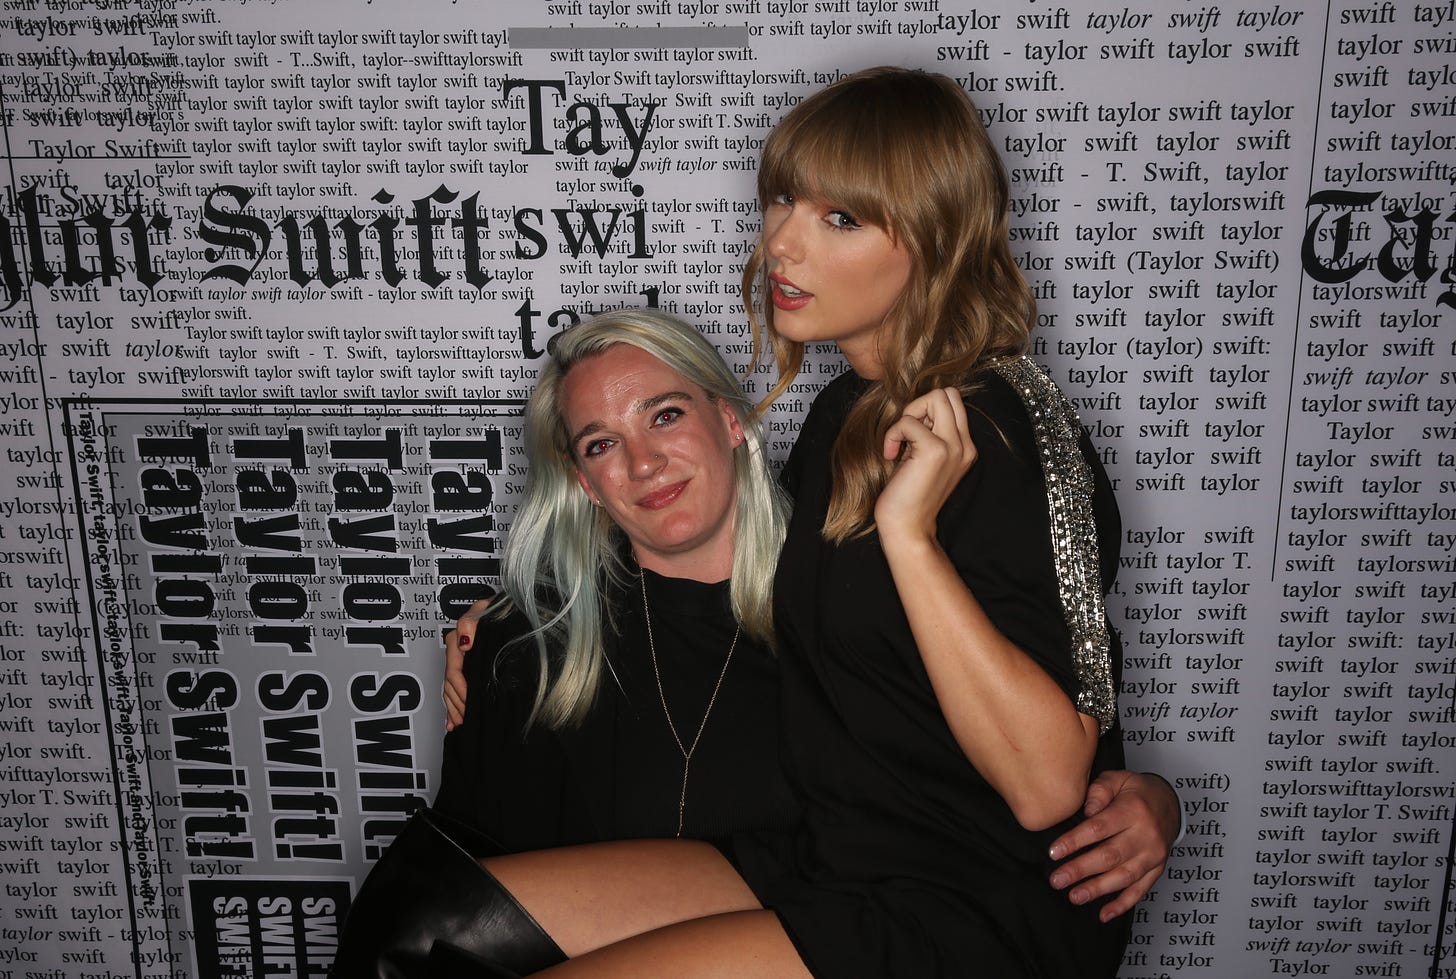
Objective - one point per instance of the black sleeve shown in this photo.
(997, 530)
(508, 782)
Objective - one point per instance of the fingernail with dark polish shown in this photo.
(464, 642)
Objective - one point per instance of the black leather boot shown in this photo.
(449, 962)
(428, 910)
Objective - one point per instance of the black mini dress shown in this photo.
(908, 863)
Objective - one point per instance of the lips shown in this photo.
(666, 496)
(788, 296)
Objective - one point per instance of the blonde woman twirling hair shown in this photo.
(922, 168)
(561, 550)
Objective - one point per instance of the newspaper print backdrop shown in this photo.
(275, 279)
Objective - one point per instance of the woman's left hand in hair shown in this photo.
(932, 448)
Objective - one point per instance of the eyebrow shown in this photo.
(646, 404)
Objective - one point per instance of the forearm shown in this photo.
(1012, 721)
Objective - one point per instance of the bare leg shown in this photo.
(737, 945)
(588, 897)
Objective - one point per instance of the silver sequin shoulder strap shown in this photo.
(1074, 533)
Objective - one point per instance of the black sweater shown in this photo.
(619, 775)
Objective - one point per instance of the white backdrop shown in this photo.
(276, 277)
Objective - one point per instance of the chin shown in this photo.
(795, 331)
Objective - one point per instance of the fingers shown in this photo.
(1118, 867)
(1129, 897)
(1122, 848)
(930, 444)
(1107, 863)
(465, 625)
(1086, 833)
(936, 419)
(1101, 792)
(454, 686)
(1100, 796)
(457, 644)
(942, 411)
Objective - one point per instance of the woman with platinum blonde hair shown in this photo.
(625, 685)
(561, 538)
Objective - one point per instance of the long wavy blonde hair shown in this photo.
(906, 151)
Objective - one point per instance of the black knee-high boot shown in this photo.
(428, 910)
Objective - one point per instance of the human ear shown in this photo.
(587, 489)
(735, 428)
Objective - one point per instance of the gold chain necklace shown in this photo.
(687, 752)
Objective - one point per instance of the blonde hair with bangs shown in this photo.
(904, 150)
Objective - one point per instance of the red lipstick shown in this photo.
(664, 497)
(793, 298)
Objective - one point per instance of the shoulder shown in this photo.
(1025, 411)
(1028, 438)
(1000, 422)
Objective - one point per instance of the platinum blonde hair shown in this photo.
(562, 553)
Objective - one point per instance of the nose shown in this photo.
(782, 234)
(644, 460)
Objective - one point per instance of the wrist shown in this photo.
(905, 546)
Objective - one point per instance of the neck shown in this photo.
(709, 568)
(863, 358)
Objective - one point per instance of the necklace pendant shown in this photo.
(682, 799)
(685, 750)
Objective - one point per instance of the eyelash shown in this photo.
(850, 223)
(598, 446)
